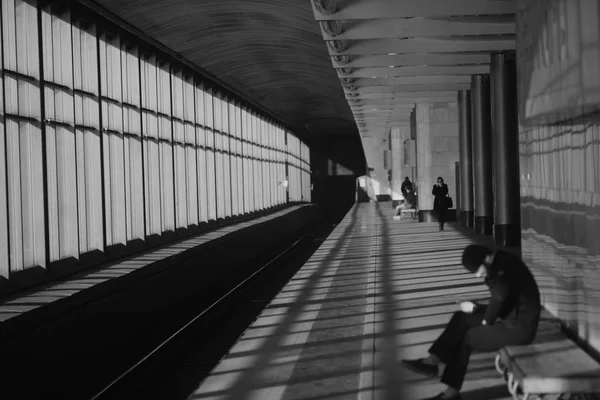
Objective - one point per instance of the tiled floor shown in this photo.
(376, 291)
(40, 296)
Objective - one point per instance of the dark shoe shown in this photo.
(441, 396)
(420, 367)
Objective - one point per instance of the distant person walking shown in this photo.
(440, 202)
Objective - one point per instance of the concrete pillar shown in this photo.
(457, 199)
(503, 74)
(482, 154)
(437, 153)
(423, 153)
(466, 158)
(400, 167)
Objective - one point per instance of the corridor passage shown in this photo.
(376, 291)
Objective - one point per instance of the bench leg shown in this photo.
(509, 384)
(513, 388)
(501, 370)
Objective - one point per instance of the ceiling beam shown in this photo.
(383, 115)
(399, 100)
(418, 71)
(381, 105)
(404, 95)
(414, 88)
(413, 80)
(382, 110)
(380, 128)
(384, 118)
(402, 28)
(373, 133)
(380, 124)
(376, 124)
(384, 102)
(373, 9)
(383, 125)
(383, 128)
(386, 125)
(427, 45)
(414, 59)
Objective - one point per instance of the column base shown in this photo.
(466, 218)
(431, 216)
(484, 225)
(507, 235)
(427, 216)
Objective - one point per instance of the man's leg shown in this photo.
(484, 338)
(448, 342)
(399, 209)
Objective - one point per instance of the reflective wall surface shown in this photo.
(558, 59)
(560, 164)
(560, 219)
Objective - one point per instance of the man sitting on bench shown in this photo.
(510, 318)
(409, 201)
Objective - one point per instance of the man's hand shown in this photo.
(467, 306)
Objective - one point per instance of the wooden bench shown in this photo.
(552, 366)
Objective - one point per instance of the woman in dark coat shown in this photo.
(440, 205)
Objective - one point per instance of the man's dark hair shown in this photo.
(406, 178)
(474, 255)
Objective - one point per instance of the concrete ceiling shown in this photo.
(391, 54)
(325, 66)
(270, 51)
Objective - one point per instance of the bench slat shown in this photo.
(561, 385)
